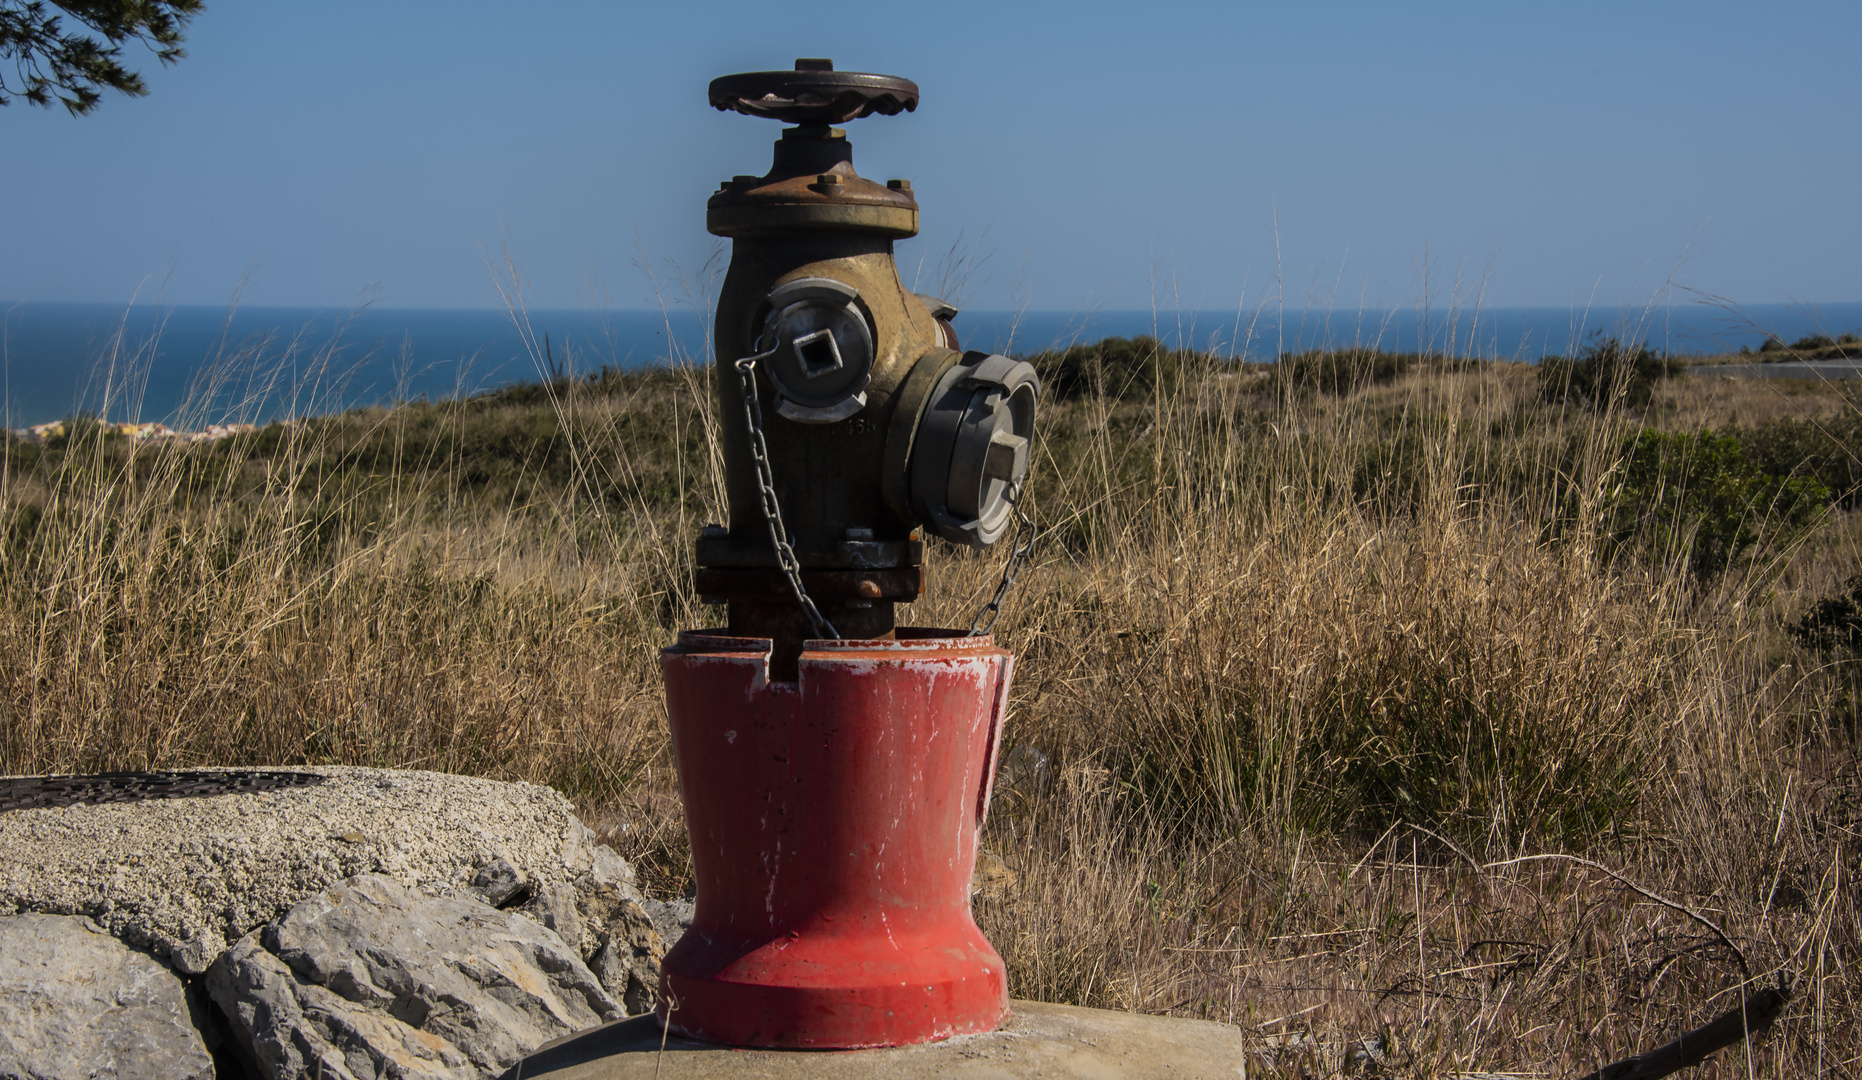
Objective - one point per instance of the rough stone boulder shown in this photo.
(370, 979)
(620, 933)
(77, 1003)
(183, 877)
(630, 937)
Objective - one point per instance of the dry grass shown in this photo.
(1320, 679)
(1304, 740)
(1714, 401)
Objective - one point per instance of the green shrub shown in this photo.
(1812, 347)
(1606, 373)
(1121, 368)
(1343, 371)
(1699, 498)
(17, 454)
(1833, 628)
(1823, 347)
(1829, 452)
(1834, 623)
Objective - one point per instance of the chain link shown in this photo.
(766, 489)
(1018, 560)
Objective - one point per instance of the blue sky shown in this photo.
(1102, 154)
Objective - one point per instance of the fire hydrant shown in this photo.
(836, 767)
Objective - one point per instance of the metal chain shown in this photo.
(1018, 559)
(766, 488)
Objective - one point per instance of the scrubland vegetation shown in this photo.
(1354, 692)
(1810, 347)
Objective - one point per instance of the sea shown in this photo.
(192, 366)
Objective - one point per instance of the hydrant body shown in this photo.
(835, 767)
(833, 823)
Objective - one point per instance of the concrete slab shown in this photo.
(1050, 1041)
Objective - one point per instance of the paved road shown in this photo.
(1790, 369)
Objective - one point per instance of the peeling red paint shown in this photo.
(833, 839)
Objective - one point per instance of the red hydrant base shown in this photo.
(833, 826)
(835, 1018)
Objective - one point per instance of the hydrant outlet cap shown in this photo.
(971, 456)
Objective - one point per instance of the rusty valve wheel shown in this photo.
(814, 93)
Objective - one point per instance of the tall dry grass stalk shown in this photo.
(1311, 674)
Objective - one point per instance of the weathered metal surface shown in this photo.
(27, 792)
(970, 457)
(814, 93)
(819, 350)
(827, 476)
(812, 185)
(876, 429)
(1056, 1042)
(913, 395)
(857, 603)
(833, 788)
(833, 823)
(813, 219)
(737, 221)
(901, 584)
(861, 553)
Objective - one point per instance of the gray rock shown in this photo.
(75, 1002)
(607, 868)
(672, 918)
(624, 935)
(369, 979)
(182, 877)
(498, 882)
(555, 907)
(627, 954)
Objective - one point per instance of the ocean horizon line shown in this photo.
(6, 303)
(144, 362)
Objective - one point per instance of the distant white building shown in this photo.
(156, 432)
